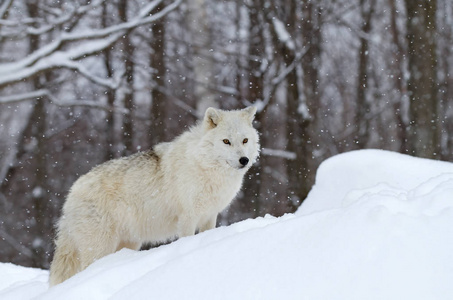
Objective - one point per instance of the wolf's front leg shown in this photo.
(186, 226)
(210, 224)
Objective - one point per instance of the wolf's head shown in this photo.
(230, 140)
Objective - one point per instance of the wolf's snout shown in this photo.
(244, 161)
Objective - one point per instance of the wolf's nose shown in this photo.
(244, 161)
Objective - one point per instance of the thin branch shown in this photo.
(278, 153)
(288, 69)
(91, 104)
(15, 244)
(23, 97)
(282, 34)
(62, 19)
(273, 83)
(4, 8)
(45, 94)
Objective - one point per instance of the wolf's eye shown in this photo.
(226, 142)
(245, 141)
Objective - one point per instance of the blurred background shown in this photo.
(82, 82)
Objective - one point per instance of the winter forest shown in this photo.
(82, 82)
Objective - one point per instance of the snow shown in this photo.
(376, 225)
(357, 170)
(282, 34)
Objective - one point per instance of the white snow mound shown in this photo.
(376, 225)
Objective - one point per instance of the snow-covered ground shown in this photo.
(377, 225)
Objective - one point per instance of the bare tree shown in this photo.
(202, 65)
(400, 82)
(158, 69)
(362, 117)
(128, 57)
(58, 54)
(445, 21)
(422, 84)
(302, 94)
(110, 93)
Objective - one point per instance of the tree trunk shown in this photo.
(298, 143)
(128, 49)
(40, 199)
(202, 66)
(398, 56)
(158, 67)
(239, 65)
(110, 93)
(252, 190)
(302, 109)
(362, 117)
(445, 97)
(422, 84)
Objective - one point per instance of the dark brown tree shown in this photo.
(128, 57)
(158, 69)
(400, 82)
(423, 85)
(362, 116)
(110, 93)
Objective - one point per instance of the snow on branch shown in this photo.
(61, 17)
(91, 104)
(283, 34)
(23, 97)
(89, 42)
(65, 59)
(278, 153)
(45, 94)
(4, 8)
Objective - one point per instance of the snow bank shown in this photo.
(377, 225)
(338, 176)
(18, 282)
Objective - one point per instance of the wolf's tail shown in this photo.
(65, 263)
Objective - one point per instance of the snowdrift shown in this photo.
(376, 225)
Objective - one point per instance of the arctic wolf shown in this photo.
(169, 191)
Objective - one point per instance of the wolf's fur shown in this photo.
(172, 190)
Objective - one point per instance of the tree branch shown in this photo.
(91, 42)
(4, 8)
(43, 93)
(15, 244)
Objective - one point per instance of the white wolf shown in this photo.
(172, 190)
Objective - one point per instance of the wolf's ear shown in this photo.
(250, 113)
(211, 118)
